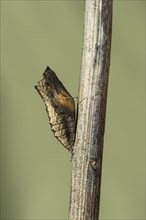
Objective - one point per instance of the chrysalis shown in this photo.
(60, 107)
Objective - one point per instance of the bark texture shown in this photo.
(88, 148)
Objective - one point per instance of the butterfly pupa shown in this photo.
(60, 107)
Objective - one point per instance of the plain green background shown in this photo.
(35, 168)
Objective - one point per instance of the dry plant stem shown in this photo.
(88, 148)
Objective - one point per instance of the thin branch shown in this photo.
(88, 148)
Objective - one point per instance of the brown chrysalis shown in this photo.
(60, 107)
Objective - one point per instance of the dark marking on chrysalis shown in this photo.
(60, 107)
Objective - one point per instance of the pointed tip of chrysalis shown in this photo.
(47, 69)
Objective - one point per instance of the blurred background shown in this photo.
(35, 167)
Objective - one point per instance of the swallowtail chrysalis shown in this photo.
(60, 107)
